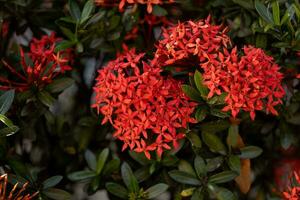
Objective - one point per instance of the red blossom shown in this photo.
(293, 191)
(145, 108)
(45, 64)
(252, 82)
(123, 3)
(191, 40)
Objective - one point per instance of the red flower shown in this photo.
(123, 3)
(190, 41)
(45, 65)
(293, 192)
(145, 108)
(252, 82)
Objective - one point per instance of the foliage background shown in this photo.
(61, 143)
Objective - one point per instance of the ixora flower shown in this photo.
(43, 66)
(14, 193)
(251, 82)
(191, 42)
(145, 108)
(122, 3)
(293, 192)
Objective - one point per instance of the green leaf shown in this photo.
(221, 193)
(45, 98)
(10, 129)
(233, 133)
(117, 190)
(51, 182)
(81, 175)
(200, 166)
(63, 45)
(185, 166)
(57, 194)
(159, 11)
(112, 166)
(101, 160)
(67, 32)
(223, 177)
(197, 195)
(214, 163)
(215, 126)
(140, 158)
(129, 178)
(199, 84)
(213, 142)
(59, 85)
(6, 99)
(200, 114)
(276, 12)
(286, 135)
(191, 92)
(263, 12)
(234, 163)
(74, 10)
(194, 139)
(250, 152)
(87, 10)
(90, 159)
(183, 177)
(245, 3)
(156, 190)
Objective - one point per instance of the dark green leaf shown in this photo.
(117, 190)
(57, 194)
(276, 12)
(200, 114)
(87, 10)
(214, 163)
(59, 85)
(111, 166)
(63, 45)
(250, 152)
(200, 166)
(51, 182)
(263, 12)
(113, 36)
(74, 10)
(81, 175)
(223, 177)
(215, 126)
(197, 195)
(183, 177)
(221, 193)
(213, 142)
(129, 178)
(45, 98)
(194, 139)
(6, 99)
(286, 135)
(191, 92)
(101, 160)
(233, 134)
(156, 190)
(199, 84)
(185, 166)
(294, 119)
(10, 129)
(90, 159)
(234, 163)
(68, 33)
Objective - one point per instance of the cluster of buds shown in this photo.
(293, 191)
(44, 65)
(146, 109)
(251, 81)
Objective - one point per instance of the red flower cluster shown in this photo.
(293, 192)
(45, 64)
(122, 3)
(252, 82)
(193, 41)
(145, 108)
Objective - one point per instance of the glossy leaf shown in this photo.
(183, 177)
(213, 142)
(156, 190)
(6, 100)
(117, 190)
(129, 178)
(51, 182)
(250, 152)
(222, 177)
